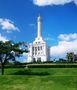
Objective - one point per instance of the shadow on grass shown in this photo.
(29, 72)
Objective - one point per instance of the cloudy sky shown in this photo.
(18, 22)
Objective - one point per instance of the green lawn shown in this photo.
(39, 79)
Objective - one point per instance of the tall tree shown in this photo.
(9, 51)
(70, 56)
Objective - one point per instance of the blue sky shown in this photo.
(18, 22)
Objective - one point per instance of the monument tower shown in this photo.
(38, 50)
(39, 22)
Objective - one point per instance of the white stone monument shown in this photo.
(38, 50)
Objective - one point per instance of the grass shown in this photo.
(39, 79)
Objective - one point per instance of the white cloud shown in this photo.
(8, 25)
(52, 2)
(24, 57)
(64, 46)
(48, 39)
(75, 1)
(2, 38)
(67, 37)
(25, 54)
(32, 25)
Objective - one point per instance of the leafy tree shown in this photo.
(9, 51)
(70, 57)
(61, 60)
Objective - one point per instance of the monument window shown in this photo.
(35, 53)
(38, 42)
(34, 60)
(41, 47)
(38, 53)
(33, 48)
(38, 48)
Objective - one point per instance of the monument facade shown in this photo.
(38, 50)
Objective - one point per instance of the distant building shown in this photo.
(38, 50)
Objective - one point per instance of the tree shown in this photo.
(9, 51)
(61, 60)
(70, 57)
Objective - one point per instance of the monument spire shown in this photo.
(39, 33)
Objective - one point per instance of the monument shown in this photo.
(38, 50)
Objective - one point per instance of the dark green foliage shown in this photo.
(56, 65)
(9, 51)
